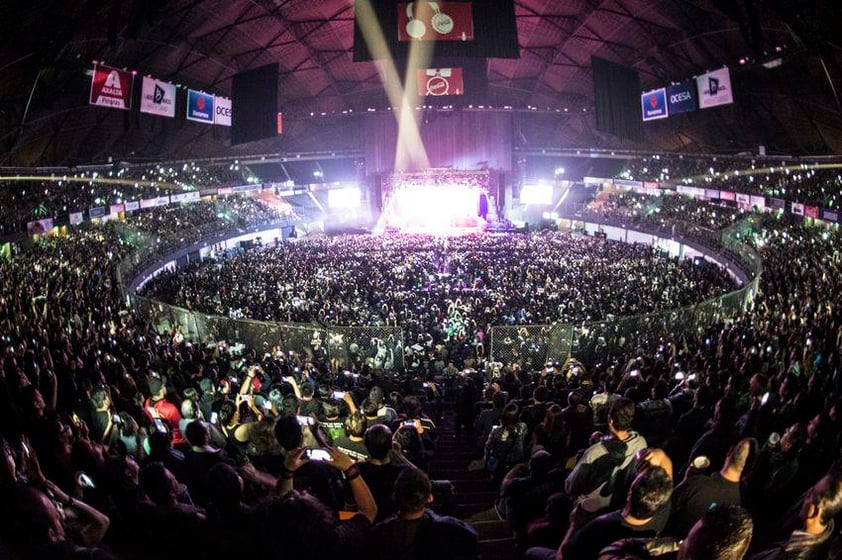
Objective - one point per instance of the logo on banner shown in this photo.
(200, 107)
(440, 81)
(111, 88)
(714, 88)
(654, 104)
(681, 98)
(222, 111)
(798, 208)
(435, 21)
(157, 97)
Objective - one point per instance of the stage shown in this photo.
(438, 202)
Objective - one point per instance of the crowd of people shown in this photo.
(120, 440)
(809, 182)
(446, 291)
(669, 214)
(65, 192)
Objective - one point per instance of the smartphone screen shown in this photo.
(339, 395)
(159, 425)
(214, 417)
(318, 455)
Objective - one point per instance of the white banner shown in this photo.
(76, 218)
(743, 199)
(597, 181)
(157, 97)
(798, 208)
(185, 197)
(154, 202)
(758, 201)
(222, 114)
(715, 88)
(133, 205)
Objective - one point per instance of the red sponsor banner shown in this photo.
(811, 211)
(440, 81)
(111, 88)
(435, 21)
(280, 123)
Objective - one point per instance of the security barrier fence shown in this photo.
(342, 347)
(531, 346)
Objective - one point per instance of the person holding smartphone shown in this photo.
(311, 529)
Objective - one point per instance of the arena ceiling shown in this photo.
(47, 46)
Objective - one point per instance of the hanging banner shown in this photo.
(435, 21)
(712, 193)
(714, 88)
(830, 215)
(76, 218)
(627, 183)
(96, 212)
(157, 97)
(777, 203)
(111, 88)
(185, 197)
(682, 98)
(154, 202)
(597, 181)
(245, 188)
(653, 105)
(132, 206)
(743, 200)
(436, 82)
(115, 209)
(759, 202)
(199, 106)
(811, 211)
(222, 111)
(798, 208)
(727, 195)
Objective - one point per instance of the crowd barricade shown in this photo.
(532, 346)
(344, 347)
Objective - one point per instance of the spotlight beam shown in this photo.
(410, 151)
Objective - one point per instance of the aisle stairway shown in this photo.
(474, 490)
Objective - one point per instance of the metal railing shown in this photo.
(340, 347)
(532, 346)
(529, 345)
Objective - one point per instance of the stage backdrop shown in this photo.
(462, 140)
